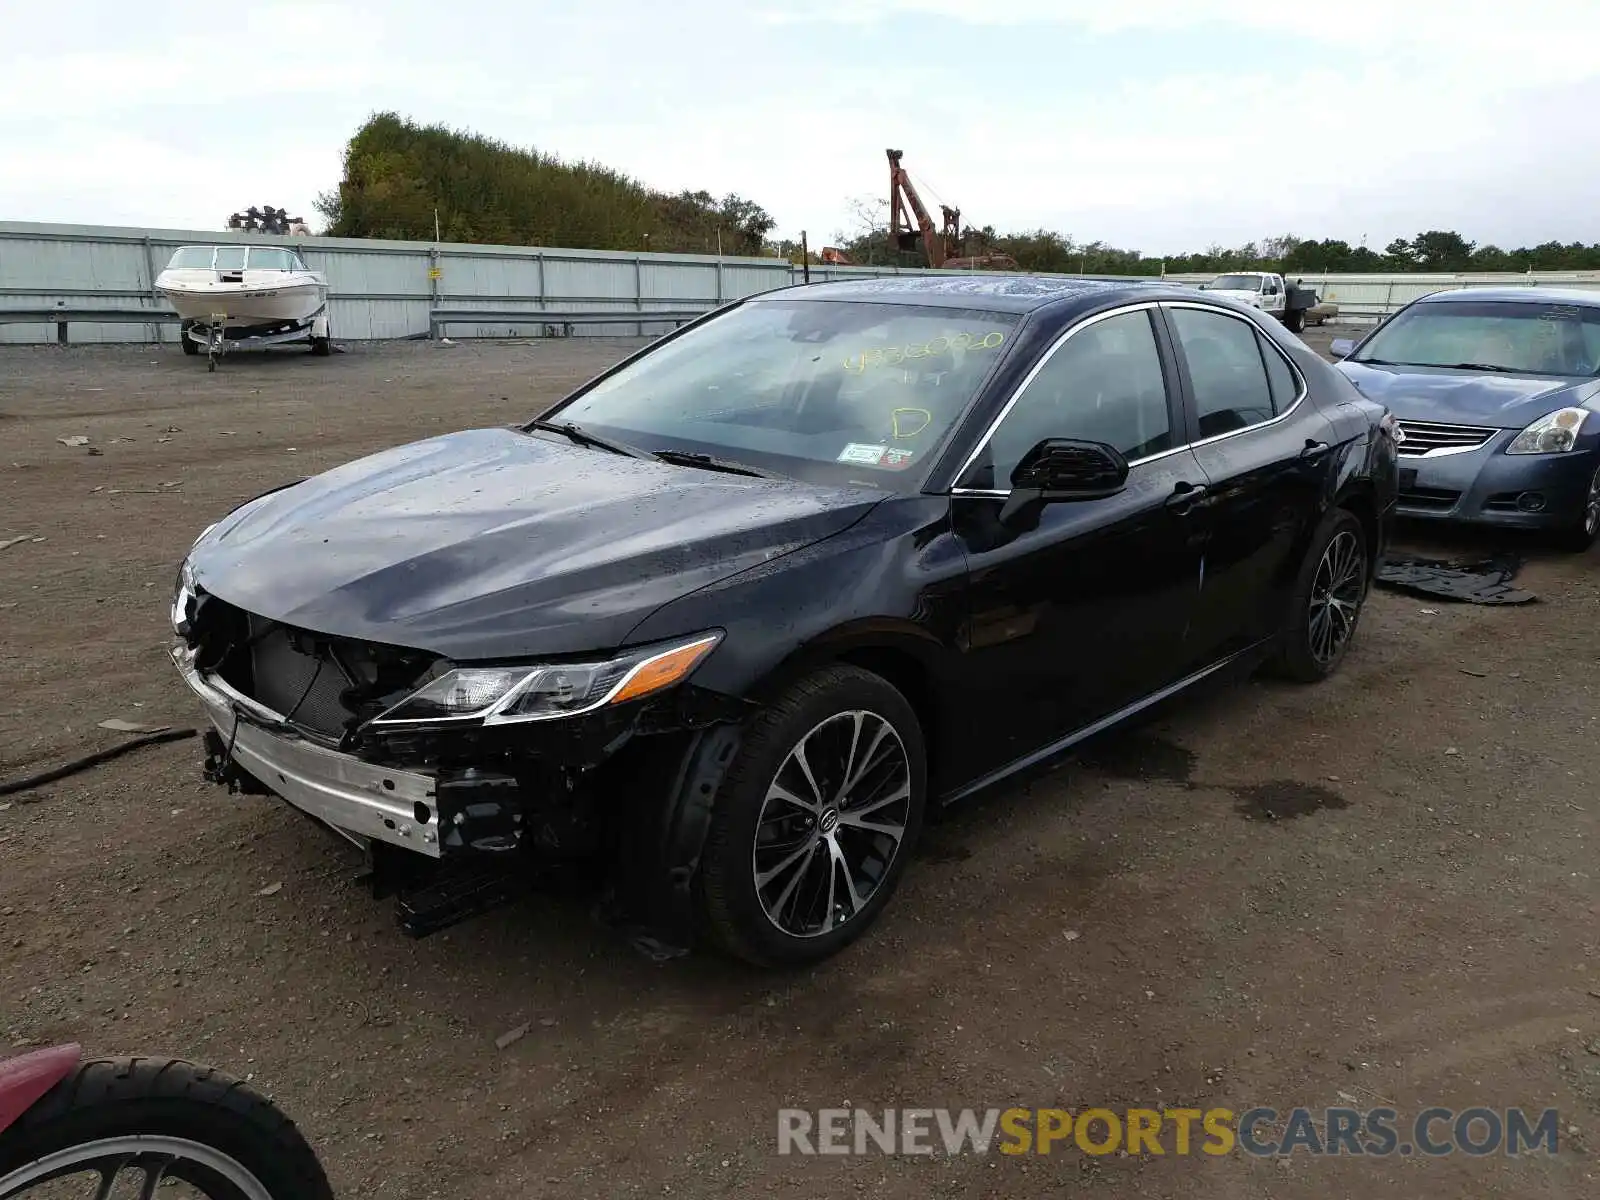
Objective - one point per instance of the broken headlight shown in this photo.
(184, 597)
(501, 695)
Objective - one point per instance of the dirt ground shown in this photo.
(1416, 925)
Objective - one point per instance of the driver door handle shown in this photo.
(1184, 496)
(1314, 449)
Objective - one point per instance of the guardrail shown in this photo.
(61, 316)
(439, 318)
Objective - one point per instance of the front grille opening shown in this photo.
(1423, 436)
(325, 685)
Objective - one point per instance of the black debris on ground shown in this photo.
(1485, 582)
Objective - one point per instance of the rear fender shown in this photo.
(29, 1076)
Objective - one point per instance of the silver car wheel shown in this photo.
(832, 823)
(1336, 595)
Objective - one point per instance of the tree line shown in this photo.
(400, 178)
(404, 180)
(1048, 251)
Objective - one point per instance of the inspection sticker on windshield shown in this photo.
(896, 459)
(860, 452)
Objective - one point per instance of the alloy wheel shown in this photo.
(832, 823)
(1336, 595)
(146, 1162)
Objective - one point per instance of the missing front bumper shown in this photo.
(360, 800)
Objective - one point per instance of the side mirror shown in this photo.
(1341, 347)
(1064, 469)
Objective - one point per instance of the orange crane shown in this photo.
(941, 247)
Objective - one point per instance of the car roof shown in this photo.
(1001, 291)
(1526, 295)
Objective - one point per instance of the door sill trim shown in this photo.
(1072, 739)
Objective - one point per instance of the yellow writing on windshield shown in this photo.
(894, 356)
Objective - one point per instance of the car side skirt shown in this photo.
(1035, 757)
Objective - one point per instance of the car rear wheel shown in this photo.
(1580, 536)
(815, 820)
(1328, 596)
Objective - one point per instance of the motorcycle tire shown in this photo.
(165, 1118)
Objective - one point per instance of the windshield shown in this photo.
(1235, 283)
(829, 391)
(1505, 335)
(192, 256)
(270, 258)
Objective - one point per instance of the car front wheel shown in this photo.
(1579, 536)
(815, 820)
(1328, 595)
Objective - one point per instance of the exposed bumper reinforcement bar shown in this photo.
(356, 798)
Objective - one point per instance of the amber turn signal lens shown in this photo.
(663, 671)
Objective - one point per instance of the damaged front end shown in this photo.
(464, 784)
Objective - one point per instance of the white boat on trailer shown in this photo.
(240, 295)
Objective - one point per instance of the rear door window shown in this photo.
(1226, 372)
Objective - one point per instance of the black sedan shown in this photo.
(1497, 395)
(734, 616)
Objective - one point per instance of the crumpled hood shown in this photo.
(1462, 398)
(490, 543)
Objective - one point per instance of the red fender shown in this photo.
(28, 1076)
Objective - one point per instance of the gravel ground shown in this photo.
(1379, 890)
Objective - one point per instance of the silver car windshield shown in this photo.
(1511, 336)
(1235, 283)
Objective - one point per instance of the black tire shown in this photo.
(1295, 320)
(321, 347)
(1579, 536)
(190, 346)
(730, 906)
(168, 1098)
(1299, 656)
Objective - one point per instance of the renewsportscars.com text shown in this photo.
(1259, 1131)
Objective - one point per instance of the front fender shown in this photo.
(651, 892)
(27, 1077)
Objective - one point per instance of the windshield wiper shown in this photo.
(1487, 367)
(689, 458)
(579, 436)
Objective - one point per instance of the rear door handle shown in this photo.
(1184, 496)
(1314, 449)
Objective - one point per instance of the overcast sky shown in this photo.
(1159, 125)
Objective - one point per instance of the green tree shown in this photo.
(1441, 250)
(398, 175)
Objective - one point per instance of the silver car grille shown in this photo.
(1437, 437)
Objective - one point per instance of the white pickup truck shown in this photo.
(1269, 292)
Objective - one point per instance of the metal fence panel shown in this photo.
(384, 289)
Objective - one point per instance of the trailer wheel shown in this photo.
(1295, 319)
(190, 346)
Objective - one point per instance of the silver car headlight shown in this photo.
(1553, 433)
(502, 695)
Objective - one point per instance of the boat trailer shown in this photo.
(216, 339)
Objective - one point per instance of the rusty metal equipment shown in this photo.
(943, 247)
